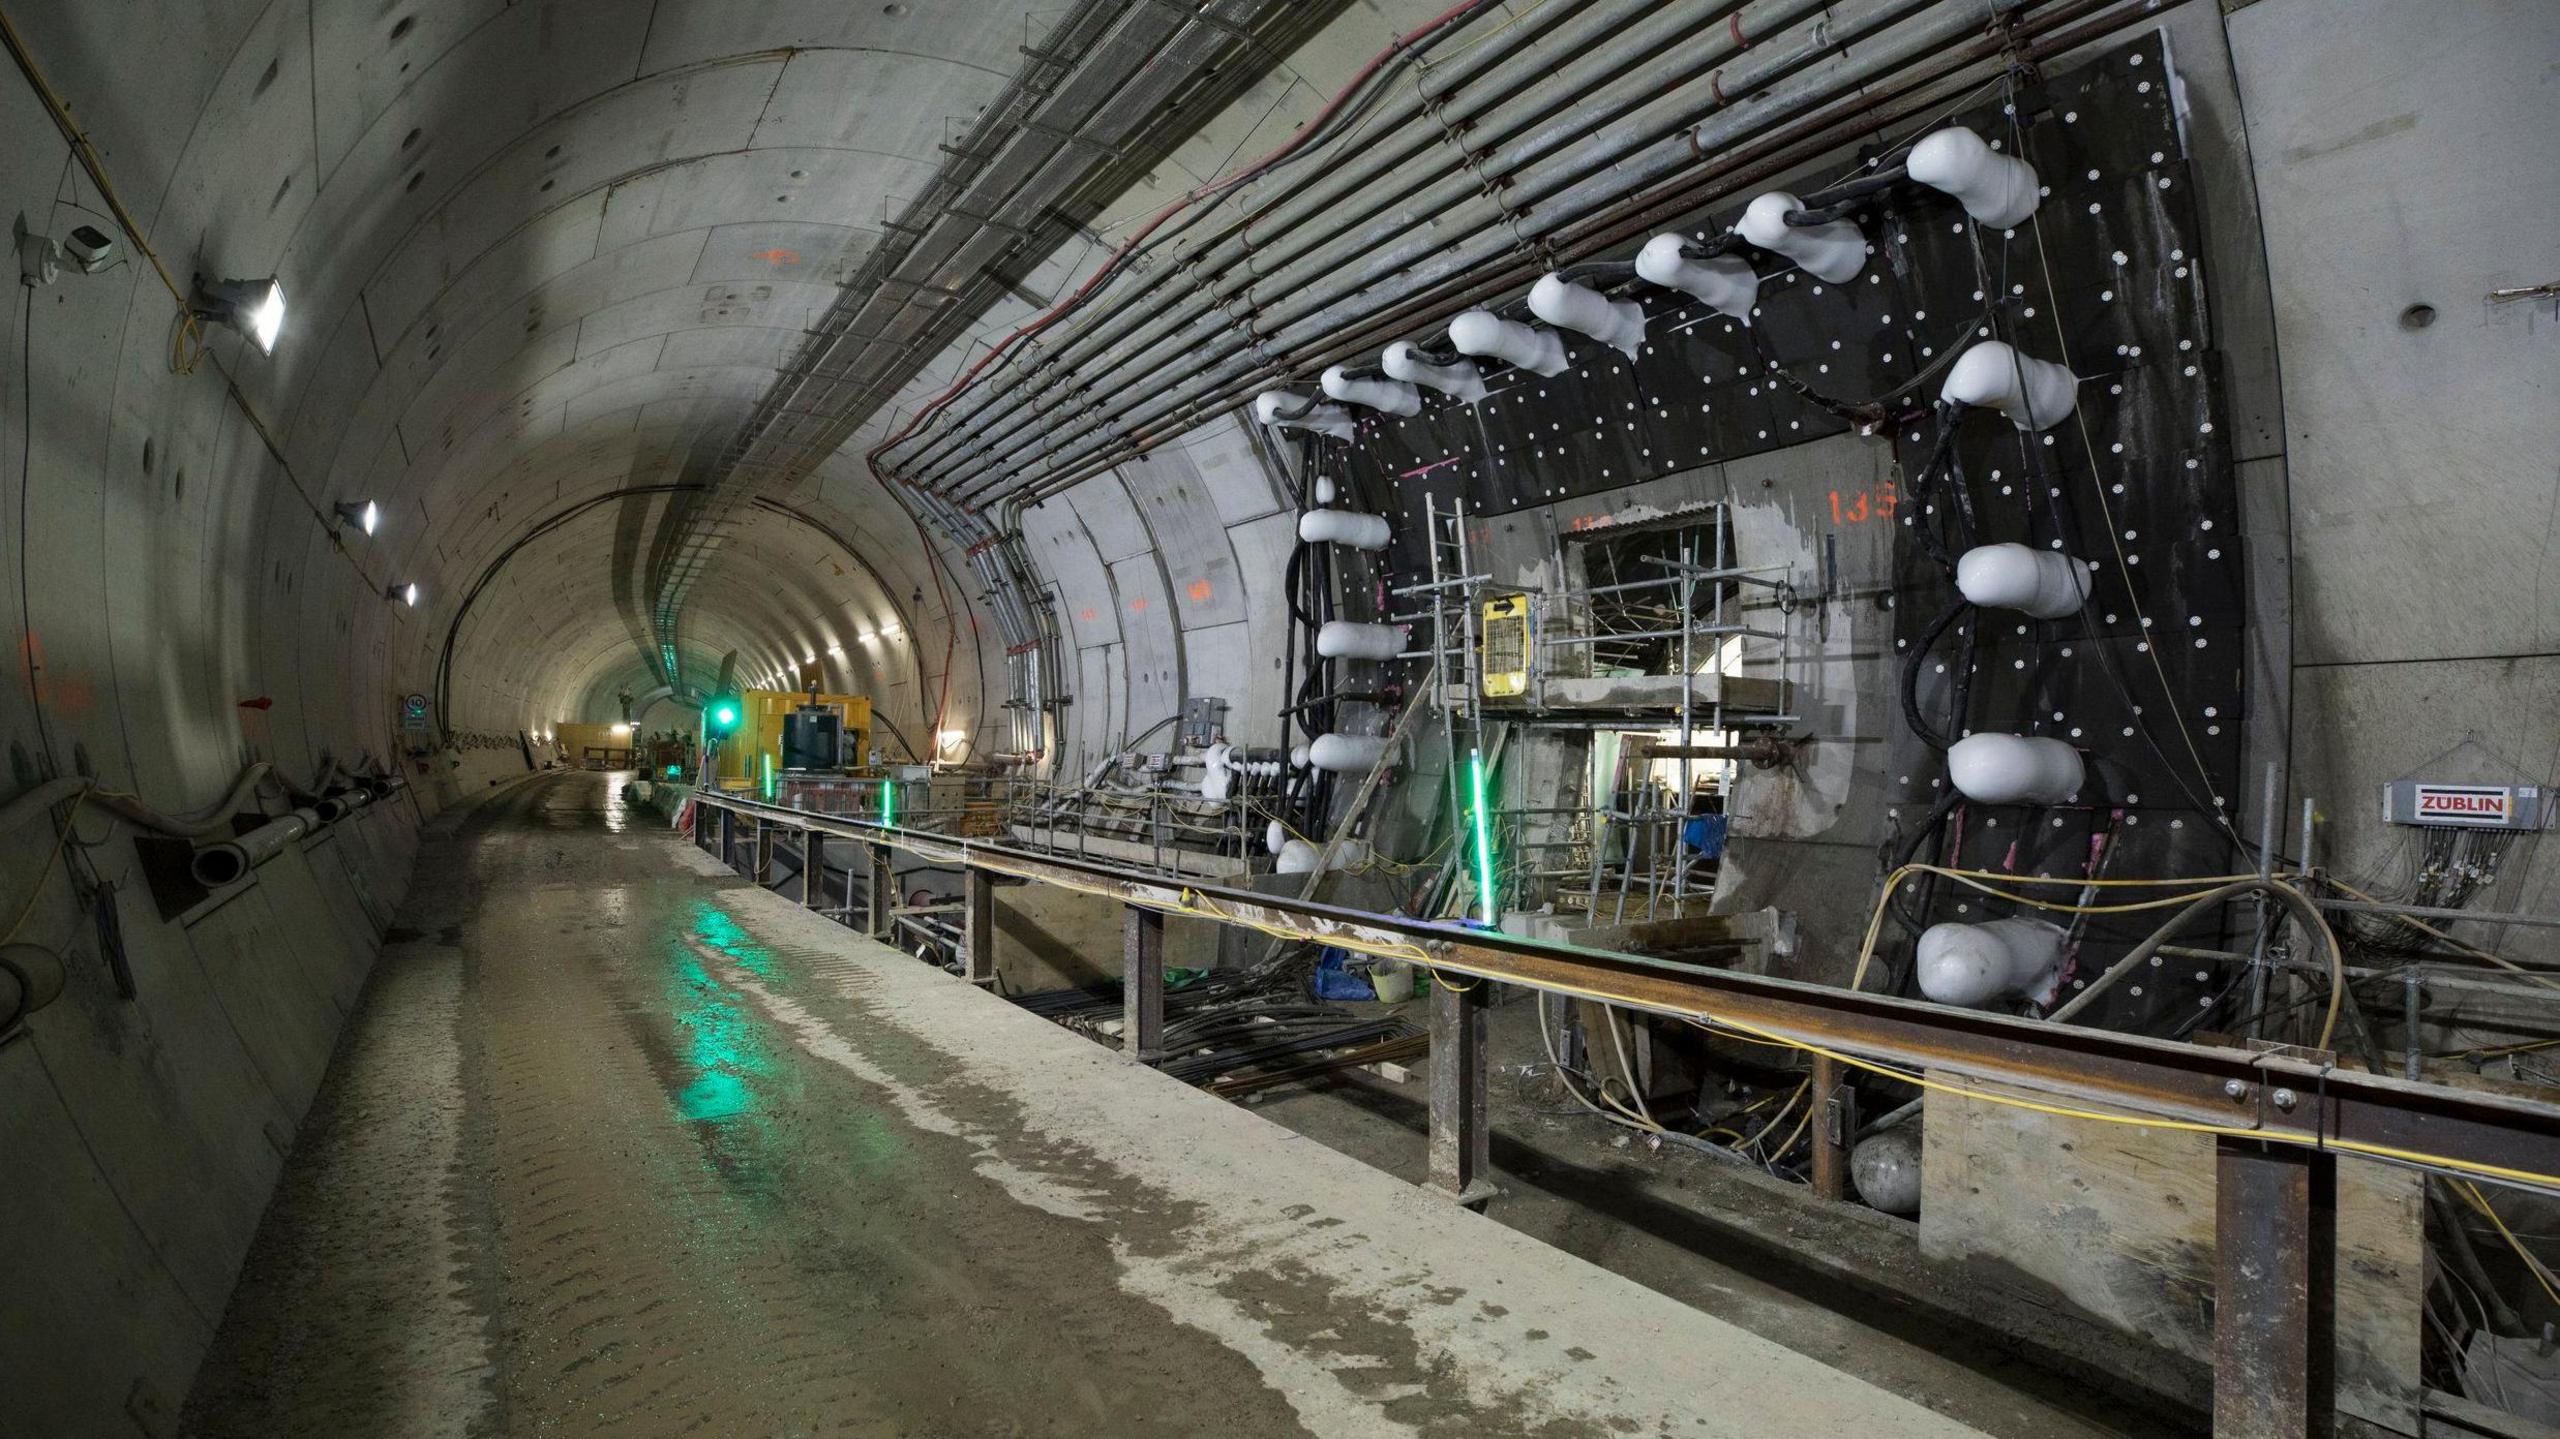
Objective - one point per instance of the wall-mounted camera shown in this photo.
(41, 257)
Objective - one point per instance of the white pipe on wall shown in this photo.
(1482, 332)
(1343, 527)
(1395, 397)
(2015, 769)
(1834, 250)
(1726, 284)
(1462, 381)
(1995, 189)
(1351, 640)
(1346, 753)
(1619, 324)
(1972, 965)
(1288, 411)
(2044, 584)
(2035, 394)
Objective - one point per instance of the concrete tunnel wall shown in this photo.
(535, 254)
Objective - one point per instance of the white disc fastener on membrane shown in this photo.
(1394, 397)
(1619, 324)
(1482, 332)
(2014, 769)
(1351, 640)
(1995, 189)
(1725, 284)
(2035, 394)
(1834, 250)
(1972, 965)
(1343, 527)
(1297, 412)
(2044, 584)
(1462, 381)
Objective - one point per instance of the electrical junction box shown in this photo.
(1204, 721)
(2464, 806)
(1160, 762)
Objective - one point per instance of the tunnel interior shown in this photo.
(1396, 532)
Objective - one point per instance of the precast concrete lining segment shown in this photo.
(1317, 260)
(1319, 323)
(1128, 63)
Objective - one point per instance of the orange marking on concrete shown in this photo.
(1200, 591)
(777, 256)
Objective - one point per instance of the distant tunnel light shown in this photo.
(363, 514)
(253, 307)
(406, 594)
(619, 727)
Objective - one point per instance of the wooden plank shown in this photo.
(2119, 1221)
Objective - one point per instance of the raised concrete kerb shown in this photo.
(1532, 1333)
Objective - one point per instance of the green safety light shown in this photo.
(1492, 909)
(724, 715)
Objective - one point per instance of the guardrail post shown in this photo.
(698, 828)
(729, 838)
(1833, 1126)
(880, 892)
(2275, 1226)
(1461, 1147)
(813, 869)
(978, 928)
(764, 850)
(1142, 983)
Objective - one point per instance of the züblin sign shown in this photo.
(2479, 806)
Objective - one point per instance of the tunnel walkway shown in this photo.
(617, 1143)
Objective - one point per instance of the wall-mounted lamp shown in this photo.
(253, 307)
(949, 739)
(890, 632)
(406, 594)
(363, 514)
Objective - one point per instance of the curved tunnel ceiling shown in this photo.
(537, 254)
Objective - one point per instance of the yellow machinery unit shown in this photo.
(1506, 646)
(751, 755)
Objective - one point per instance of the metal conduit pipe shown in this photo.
(1189, 409)
(1805, 66)
(1649, 112)
(229, 861)
(1638, 142)
(1864, 112)
(1402, 137)
(1537, 107)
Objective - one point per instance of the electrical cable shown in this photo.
(1400, 51)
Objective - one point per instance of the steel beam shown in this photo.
(1834, 1120)
(1461, 1152)
(879, 889)
(1142, 983)
(2275, 1211)
(978, 927)
(813, 869)
(2289, 1095)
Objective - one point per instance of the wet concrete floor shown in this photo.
(617, 1144)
